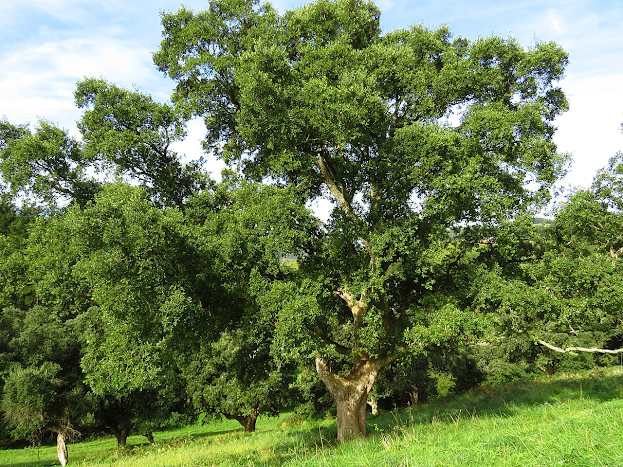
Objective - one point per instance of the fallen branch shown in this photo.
(577, 349)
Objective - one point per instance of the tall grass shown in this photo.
(568, 420)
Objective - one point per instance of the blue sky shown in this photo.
(46, 46)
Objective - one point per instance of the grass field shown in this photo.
(566, 420)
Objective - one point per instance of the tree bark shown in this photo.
(122, 436)
(249, 424)
(61, 448)
(247, 421)
(150, 437)
(350, 393)
(414, 396)
(374, 405)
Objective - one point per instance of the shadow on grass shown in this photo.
(37, 463)
(131, 449)
(316, 438)
(504, 401)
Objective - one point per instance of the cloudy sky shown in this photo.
(46, 46)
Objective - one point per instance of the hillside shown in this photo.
(570, 420)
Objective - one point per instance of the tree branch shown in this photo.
(577, 349)
(357, 307)
(341, 199)
(335, 190)
(615, 255)
(339, 348)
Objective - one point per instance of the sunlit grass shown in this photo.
(567, 420)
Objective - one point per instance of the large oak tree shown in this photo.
(411, 134)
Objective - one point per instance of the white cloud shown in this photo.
(553, 18)
(39, 80)
(191, 148)
(48, 45)
(591, 130)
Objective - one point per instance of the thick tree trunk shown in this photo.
(61, 448)
(350, 393)
(247, 421)
(122, 436)
(150, 437)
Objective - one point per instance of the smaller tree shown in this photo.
(237, 378)
(233, 369)
(136, 262)
(37, 399)
(134, 390)
(563, 291)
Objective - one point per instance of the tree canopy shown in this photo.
(411, 134)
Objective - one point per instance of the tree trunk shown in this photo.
(374, 405)
(150, 437)
(247, 421)
(122, 436)
(61, 448)
(350, 393)
(414, 396)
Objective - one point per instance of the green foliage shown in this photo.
(130, 133)
(435, 151)
(248, 228)
(567, 292)
(358, 113)
(236, 377)
(47, 164)
(38, 398)
(412, 134)
(136, 264)
(31, 398)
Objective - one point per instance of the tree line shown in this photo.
(136, 292)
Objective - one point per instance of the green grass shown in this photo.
(573, 420)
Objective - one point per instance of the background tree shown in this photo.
(44, 388)
(249, 229)
(608, 182)
(136, 262)
(56, 306)
(36, 399)
(565, 293)
(48, 165)
(131, 134)
(237, 378)
(411, 134)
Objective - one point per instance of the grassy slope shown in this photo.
(566, 420)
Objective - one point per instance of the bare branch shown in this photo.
(578, 349)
